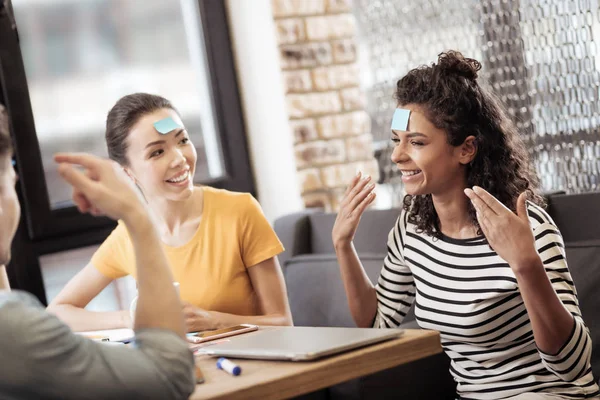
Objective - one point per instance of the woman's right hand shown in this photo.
(357, 198)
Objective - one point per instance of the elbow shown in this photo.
(364, 315)
(56, 308)
(177, 379)
(184, 388)
(573, 374)
(287, 321)
(572, 363)
(179, 388)
(284, 320)
(364, 321)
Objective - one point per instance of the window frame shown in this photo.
(43, 230)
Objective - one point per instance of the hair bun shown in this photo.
(455, 63)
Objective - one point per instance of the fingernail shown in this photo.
(367, 177)
(358, 173)
(372, 185)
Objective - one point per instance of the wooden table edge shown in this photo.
(346, 368)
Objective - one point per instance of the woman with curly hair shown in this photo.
(472, 248)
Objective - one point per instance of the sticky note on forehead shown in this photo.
(400, 120)
(166, 125)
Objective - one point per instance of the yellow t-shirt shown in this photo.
(211, 268)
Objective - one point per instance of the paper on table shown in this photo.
(114, 335)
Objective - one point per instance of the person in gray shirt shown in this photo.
(40, 357)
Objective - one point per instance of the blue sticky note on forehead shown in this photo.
(400, 120)
(166, 125)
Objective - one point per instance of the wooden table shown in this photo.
(266, 380)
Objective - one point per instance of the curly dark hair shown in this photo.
(453, 101)
(5, 140)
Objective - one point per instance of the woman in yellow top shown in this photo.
(220, 247)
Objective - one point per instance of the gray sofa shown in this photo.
(317, 296)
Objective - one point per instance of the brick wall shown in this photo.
(332, 131)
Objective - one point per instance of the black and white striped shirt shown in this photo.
(467, 292)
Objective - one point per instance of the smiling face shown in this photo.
(162, 165)
(429, 164)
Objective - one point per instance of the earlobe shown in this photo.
(135, 181)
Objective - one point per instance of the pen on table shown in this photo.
(228, 366)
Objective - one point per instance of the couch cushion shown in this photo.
(294, 232)
(578, 218)
(371, 236)
(316, 292)
(576, 215)
(584, 263)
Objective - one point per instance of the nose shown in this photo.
(399, 155)
(178, 159)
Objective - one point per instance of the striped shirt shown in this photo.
(464, 290)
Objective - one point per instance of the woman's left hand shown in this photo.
(509, 234)
(197, 319)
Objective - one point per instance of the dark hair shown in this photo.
(5, 141)
(452, 100)
(124, 115)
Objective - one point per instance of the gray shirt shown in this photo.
(41, 358)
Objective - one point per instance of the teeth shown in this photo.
(181, 178)
(410, 173)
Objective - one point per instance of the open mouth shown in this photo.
(409, 173)
(182, 177)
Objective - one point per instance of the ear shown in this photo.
(467, 150)
(130, 174)
(135, 181)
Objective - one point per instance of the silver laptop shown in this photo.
(298, 343)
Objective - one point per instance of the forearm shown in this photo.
(4, 284)
(361, 295)
(551, 322)
(222, 320)
(80, 319)
(158, 304)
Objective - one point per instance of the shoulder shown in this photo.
(402, 223)
(398, 232)
(231, 201)
(119, 231)
(538, 216)
(118, 236)
(17, 299)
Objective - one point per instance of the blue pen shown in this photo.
(226, 365)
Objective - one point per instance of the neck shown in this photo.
(170, 215)
(452, 207)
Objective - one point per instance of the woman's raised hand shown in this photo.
(357, 198)
(508, 233)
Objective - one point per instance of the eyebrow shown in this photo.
(162, 141)
(411, 134)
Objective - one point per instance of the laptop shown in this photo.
(298, 343)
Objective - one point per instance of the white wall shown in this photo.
(261, 85)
